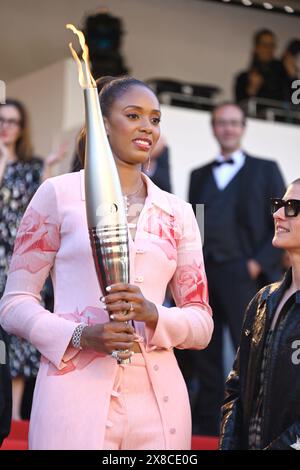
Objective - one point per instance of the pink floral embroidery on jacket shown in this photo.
(35, 239)
(191, 284)
(89, 316)
(165, 228)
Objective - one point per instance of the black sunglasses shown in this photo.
(291, 206)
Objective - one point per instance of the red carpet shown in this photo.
(17, 440)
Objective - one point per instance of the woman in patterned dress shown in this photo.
(20, 175)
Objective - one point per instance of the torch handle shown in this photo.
(124, 361)
(111, 258)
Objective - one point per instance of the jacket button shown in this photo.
(155, 367)
(140, 251)
(139, 279)
(172, 431)
(165, 399)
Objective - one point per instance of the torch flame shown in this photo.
(86, 79)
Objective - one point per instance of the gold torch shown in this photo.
(105, 209)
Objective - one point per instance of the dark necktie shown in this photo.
(218, 163)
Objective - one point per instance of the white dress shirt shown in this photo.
(223, 174)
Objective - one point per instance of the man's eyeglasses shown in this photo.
(291, 206)
(228, 122)
(9, 122)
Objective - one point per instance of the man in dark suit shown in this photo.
(239, 257)
(5, 388)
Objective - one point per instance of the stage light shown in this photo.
(268, 6)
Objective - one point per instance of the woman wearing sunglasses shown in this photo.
(262, 408)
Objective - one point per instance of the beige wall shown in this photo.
(54, 100)
(192, 144)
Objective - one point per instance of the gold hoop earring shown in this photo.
(148, 164)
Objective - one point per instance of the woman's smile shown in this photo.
(143, 143)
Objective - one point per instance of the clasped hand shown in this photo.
(124, 303)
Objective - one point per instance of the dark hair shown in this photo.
(293, 47)
(24, 150)
(227, 103)
(262, 32)
(109, 89)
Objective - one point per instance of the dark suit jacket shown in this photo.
(5, 390)
(260, 180)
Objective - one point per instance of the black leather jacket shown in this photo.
(5, 389)
(281, 400)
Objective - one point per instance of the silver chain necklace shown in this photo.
(126, 196)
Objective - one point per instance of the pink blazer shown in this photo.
(73, 388)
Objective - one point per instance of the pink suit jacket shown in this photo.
(73, 389)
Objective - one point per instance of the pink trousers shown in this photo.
(134, 421)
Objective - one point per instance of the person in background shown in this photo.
(261, 408)
(264, 77)
(20, 175)
(5, 389)
(238, 253)
(158, 166)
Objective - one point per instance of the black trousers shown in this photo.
(230, 290)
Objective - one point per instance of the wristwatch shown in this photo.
(76, 337)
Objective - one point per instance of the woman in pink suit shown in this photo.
(83, 398)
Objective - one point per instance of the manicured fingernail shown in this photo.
(104, 307)
(102, 299)
(108, 288)
(112, 317)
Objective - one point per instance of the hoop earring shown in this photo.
(148, 164)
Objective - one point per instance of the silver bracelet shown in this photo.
(76, 337)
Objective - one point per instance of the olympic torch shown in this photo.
(105, 208)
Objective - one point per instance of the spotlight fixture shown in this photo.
(289, 9)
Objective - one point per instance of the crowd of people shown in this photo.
(179, 298)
